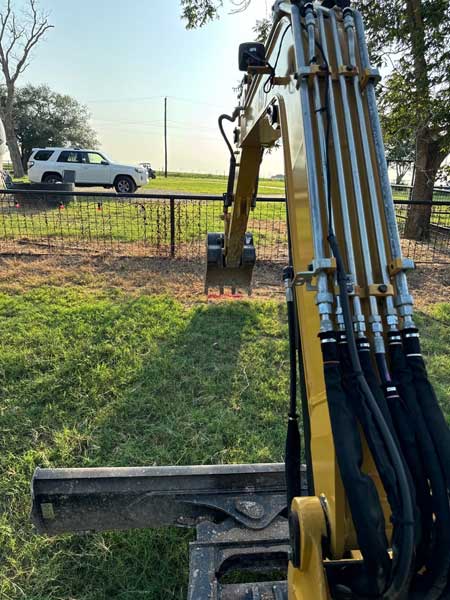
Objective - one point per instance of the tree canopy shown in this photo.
(197, 13)
(45, 118)
(412, 38)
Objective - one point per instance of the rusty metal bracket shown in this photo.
(370, 75)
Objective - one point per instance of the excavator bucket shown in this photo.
(219, 275)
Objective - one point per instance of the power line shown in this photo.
(123, 100)
(151, 98)
(158, 131)
(157, 124)
(192, 101)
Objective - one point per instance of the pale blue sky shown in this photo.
(122, 58)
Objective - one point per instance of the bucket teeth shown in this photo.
(220, 276)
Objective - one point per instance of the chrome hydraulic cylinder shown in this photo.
(324, 297)
(375, 318)
(403, 300)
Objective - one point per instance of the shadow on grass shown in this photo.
(196, 399)
(111, 381)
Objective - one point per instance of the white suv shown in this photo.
(91, 168)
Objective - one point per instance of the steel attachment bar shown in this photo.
(71, 500)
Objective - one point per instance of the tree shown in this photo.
(19, 35)
(197, 13)
(399, 143)
(43, 118)
(413, 38)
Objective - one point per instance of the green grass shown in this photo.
(103, 378)
(198, 183)
(94, 379)
(207, 184)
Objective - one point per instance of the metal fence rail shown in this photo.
(165, 225)
(404, 192)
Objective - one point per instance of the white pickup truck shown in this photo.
(92, 168)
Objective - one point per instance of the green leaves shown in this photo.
(411, 38)
(197, 13)
(45, 118)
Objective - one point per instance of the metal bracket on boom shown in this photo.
(327, 265)
(221, 276)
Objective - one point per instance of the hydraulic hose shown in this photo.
(402, 573)
(400, 577)
(293, 441)
(233, 162)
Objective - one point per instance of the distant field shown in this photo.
(207, 184)
(199, 183)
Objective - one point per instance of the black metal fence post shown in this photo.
(172, 227)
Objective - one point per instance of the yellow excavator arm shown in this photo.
(368, 431)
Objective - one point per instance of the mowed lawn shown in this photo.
(198, 183)
(99, 377)
(188, 183)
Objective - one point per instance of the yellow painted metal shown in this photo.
(376, 290)
(250, 158)
(309, 581)
(256, 132)
(326, 474)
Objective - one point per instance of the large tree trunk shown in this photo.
(13, 146)
(428, 161)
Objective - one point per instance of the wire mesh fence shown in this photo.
(434, 248)
(167, 226)
(151, 225)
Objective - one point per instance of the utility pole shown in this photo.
(165, 137)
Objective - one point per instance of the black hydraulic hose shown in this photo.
(418, 479)
(402, 573)
(232, 118)
(434, 580)
(232, 171)
(301, 379)
(305, 413)
(361, 491)
(434, 418)
(370, 429)
(388, 400)
(372, 380)
(293, 441)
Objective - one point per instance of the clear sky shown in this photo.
(121, 59)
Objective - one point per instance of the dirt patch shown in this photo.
(181, 278)
(430, 284)
(135, 275)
